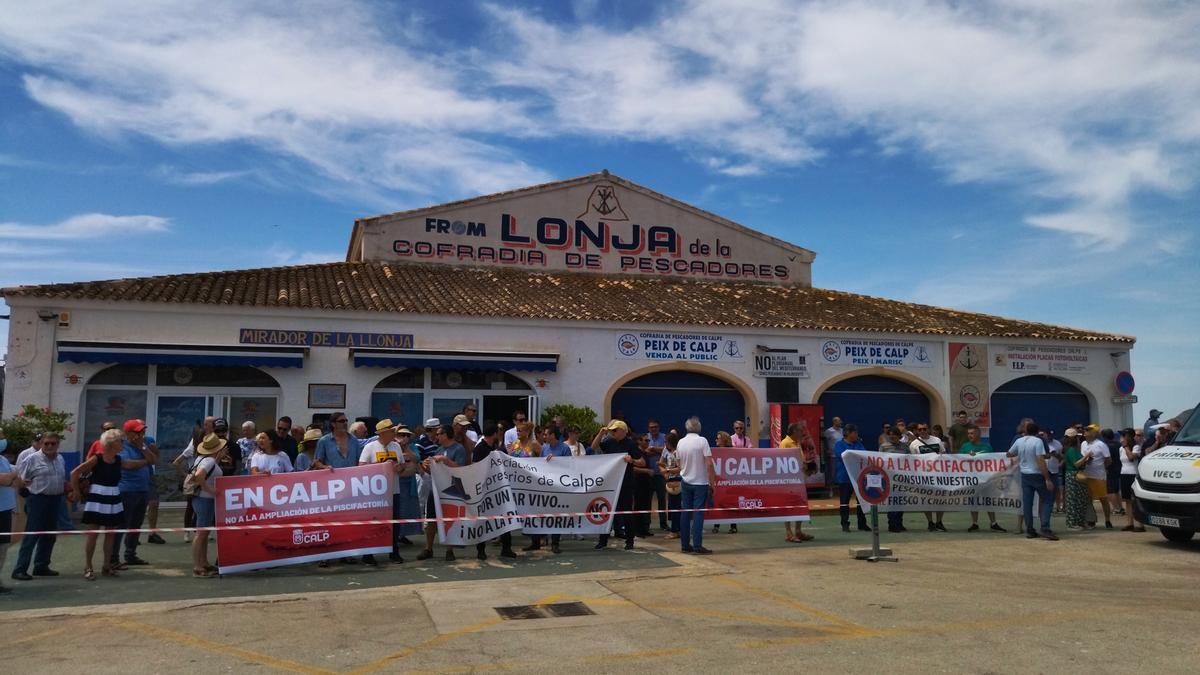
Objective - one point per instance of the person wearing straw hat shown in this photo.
(385, 448)
(306, 450)
(206, 470)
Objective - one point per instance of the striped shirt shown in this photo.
(42, 475)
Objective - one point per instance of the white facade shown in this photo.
(591, 362)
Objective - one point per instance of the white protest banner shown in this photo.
(933, 482)
(526, 493)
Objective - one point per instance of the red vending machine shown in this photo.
(784, 414)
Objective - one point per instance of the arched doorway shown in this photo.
(1051, 402)
(672, 396)
(868, 401)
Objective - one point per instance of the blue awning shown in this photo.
(180, 355)
(450, 360)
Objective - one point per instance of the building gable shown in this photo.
(598, 223)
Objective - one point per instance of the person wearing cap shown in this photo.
(207, 469)
(230, 458)
(426, 446)
(614, 439)
(306, 450)
(337, 449)
(410, 506)
(489, 442)
(136, 460)
(1151, 422)
(1096, 459)
(452, 454)
(44, 475)
(463, 430)
(385, 448)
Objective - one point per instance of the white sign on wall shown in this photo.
(1043, 359)
(602, 224)
(780, 364)
(893, 353)
(662, 346)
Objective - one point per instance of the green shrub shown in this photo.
(580, 416)
(30, 420)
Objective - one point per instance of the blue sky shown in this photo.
(1036, 160)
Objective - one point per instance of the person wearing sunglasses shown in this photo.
(926, 443)
(337, 449)
(45, 477)
(284, 439)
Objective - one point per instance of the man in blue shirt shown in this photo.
(452, 454)
(8, 504)
(849, 441)
(136, 460)
(1035, 479)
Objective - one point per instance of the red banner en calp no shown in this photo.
(304, 499)
(758, 478)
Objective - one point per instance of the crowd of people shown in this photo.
(115, 483)
(116, 488)
(1088, 465)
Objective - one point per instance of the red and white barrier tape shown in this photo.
(392, 521)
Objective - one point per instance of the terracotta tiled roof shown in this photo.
(502, 292)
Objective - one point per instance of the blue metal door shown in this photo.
(1051, 402)
(870, 400)
(673, 396)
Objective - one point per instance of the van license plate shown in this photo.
(1164, 522)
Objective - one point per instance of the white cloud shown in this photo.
(1079, 108)
(85, 226)
(183, 177)
(328, 88)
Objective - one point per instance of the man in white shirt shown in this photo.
(925, 443)
(510, 436)
(384, 448)
(1035, 480)
(1098, 457)
(696, 469)
(832, 435)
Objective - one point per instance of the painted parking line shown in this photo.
(214, 647)
(848, 627)
(637, 656)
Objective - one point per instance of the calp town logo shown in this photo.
(831, 350)
(628, 344)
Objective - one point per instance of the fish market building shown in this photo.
(593, 291)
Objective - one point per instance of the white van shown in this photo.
(1167, 490)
